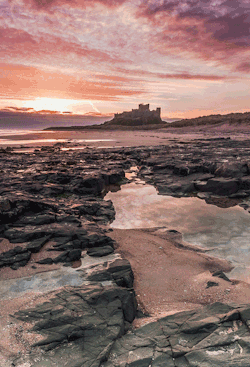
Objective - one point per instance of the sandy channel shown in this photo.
(170, 277)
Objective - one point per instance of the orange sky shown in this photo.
(189, 57)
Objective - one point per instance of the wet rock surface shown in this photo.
(78, 325)
(51, 197)
(207, 169)
(52, 211)
(217, 335)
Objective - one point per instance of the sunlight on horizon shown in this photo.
(58, 104)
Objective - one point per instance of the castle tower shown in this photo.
(158, 111)
(143, 107)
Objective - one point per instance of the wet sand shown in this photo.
(94, 138)
(171, 278)
(115, 138)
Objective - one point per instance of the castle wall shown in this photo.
(142, 112)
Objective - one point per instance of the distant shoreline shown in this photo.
(212, 121)
(108, 127)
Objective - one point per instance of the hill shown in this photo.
(232, 118)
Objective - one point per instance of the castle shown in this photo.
(136, 117)
(143, 113)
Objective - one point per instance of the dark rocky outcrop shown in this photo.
(79, 325)
(208, 168)
(119, 271)
(86, 326)
(217, 335)
(100, 251)
(15, 258)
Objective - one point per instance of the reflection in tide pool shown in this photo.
(226, 232)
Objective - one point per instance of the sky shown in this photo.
(99, 57)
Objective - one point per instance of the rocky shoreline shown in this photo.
(55, 221)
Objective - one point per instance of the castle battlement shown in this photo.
(142, 112)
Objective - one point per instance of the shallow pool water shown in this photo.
(224, 231)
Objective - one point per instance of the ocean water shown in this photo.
(7, 140)
(9, 132)
(29, 121)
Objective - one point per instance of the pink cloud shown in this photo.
(17, 43)
(181, 75)
(48, 4)
(18, 81)
(12, 37)
(244, 67)
(208, 29)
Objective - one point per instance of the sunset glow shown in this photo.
(53, 104)
(106, 56)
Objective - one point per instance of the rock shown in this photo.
(100, 251)
(205, 338)
(203, 195)
(36, 245)
(5, 204)
(221, 275)
(219, 186)
(47, 261)
(79, 325)
(15, 258)
(95, 240)
(57, 231)
(25, 234)
(211, 284)
(95, 210)
(245, 183)
(36, 220)
(232, 169)
(115, 177)
(68, 256)
(119, 271)
(90, 184)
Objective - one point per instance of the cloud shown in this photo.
(212, 30)
(48, 4)
(11, 37)
(244, 67)
(18, 81)
(19, 43)
(198, 9)
(17, 109)
(188, 76)
(180, 75)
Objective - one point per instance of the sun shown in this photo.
(51, 104)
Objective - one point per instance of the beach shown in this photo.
(59, 235)
(118, 138)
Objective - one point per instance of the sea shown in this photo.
(14, 125)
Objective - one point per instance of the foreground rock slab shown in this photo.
(76, 327)
(217, 335)
(85, 326)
